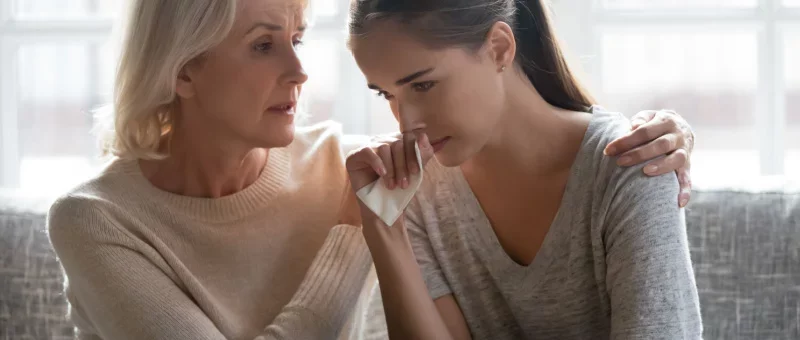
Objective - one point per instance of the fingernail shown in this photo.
(404, 183)
(624, 161)
(650, 169)
(389, 183)
(610, 151)
(414, 170)
(684, 201)
(382, 172)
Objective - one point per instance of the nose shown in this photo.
(294, 73)
(409, 116)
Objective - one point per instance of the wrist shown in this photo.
(381, 238)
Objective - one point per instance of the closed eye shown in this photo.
(384, 94)
(423, 86)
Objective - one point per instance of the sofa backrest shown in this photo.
(745, 249)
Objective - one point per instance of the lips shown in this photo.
(287, 108)
(439, 144)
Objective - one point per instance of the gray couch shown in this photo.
(745, 247)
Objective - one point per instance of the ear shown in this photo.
(501, 46)
(184, 87)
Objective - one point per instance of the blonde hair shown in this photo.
(160, 38)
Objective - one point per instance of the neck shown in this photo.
(531, 137)
(203, 162)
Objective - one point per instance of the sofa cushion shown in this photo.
(32, 302)
(746, 253)
(745, 249)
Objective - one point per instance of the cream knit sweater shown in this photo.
(264, 263)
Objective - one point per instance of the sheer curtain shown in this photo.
(728, 66)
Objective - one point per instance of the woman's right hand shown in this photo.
(392, 159)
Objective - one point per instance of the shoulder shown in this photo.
(85, 208)
(320, 135)
(609, 178)
(76, 220)
(326, 138)
(624, 196)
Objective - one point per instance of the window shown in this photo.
(56, 67)
(677, 4)
(726, 65)
(791, 53)
(720, 63)
(791, 3)
(57, 64)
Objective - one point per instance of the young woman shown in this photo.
(214, 220)
(522, 228)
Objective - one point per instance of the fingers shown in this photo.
(673, 162)
(365, 158)
(642, 118)
(425, 147)
(400, 168)
(660, 146)
(661, 124)
(646, 134)
(685, 181)
(385, 153)
(409, 141)
(394, 159)
(364, 166)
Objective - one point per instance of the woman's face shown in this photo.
(453, 95)
(246, 88)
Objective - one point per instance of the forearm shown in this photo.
(410, 311)
(329, 292)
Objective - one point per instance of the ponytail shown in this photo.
(542, 59)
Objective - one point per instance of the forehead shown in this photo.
(388, 53)
(289, 13)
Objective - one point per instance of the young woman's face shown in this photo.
(247, 87)
(453, 95)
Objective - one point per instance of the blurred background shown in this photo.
(727, 66)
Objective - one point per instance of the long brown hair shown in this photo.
(466, 23)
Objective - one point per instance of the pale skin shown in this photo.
(222, 138)
(515, 150)
(236, 102)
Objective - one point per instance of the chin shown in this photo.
(277, 137)
(455, 153)
(451, 156)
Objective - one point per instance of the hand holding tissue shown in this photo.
(366, 169)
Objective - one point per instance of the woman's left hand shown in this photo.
(653, 134)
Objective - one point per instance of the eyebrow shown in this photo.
(405, 80)
(271, 27)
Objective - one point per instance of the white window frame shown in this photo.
(14, 33)
(352, 108)
(582, 25)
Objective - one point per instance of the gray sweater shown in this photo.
(614, 265)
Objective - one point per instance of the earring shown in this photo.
(502, 68)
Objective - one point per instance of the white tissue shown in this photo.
(387, 204)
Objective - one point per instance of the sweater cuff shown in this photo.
(335, 279)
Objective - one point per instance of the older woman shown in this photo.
(218, 218)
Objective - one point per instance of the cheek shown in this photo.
(470, 104)
(238, 89)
